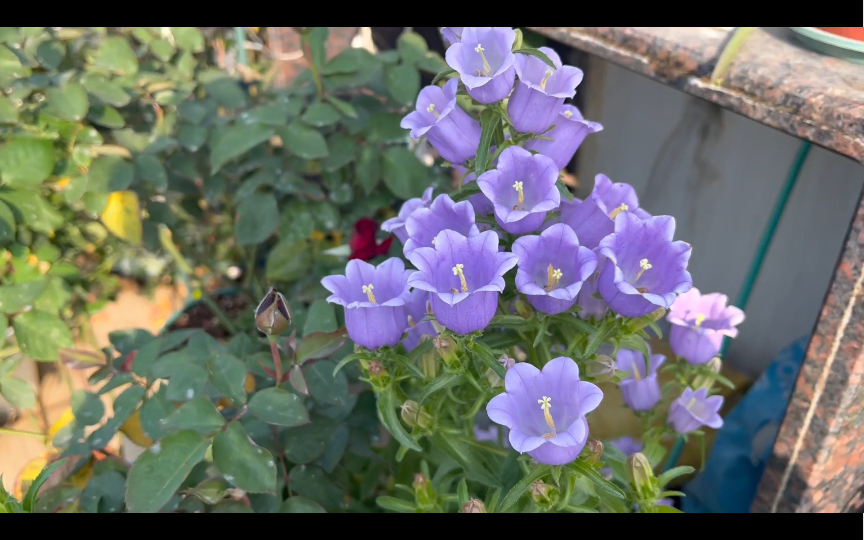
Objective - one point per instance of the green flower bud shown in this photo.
(272, 315)
(705, 381)
(641, 322)
(524, 309)
(446, 348)
(474, 506)
(602, 368)
(541, 492)
(423, 491)
(595, 449)
(641, 473)
(414, 416)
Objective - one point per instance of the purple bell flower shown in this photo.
(594, 218)
(396, 225)
(627, 445)
(482, 205)
(452, 34)
(416, 327)
(545, 410)
(464, 276)
(522, 189)
(693, 410)
(591, 306)
(570, 130)
(484, 61)
(425, 223)
(374, 300)
(552, 267)
(699, 323)
(645, 270)
(541, 91)
(449, 129)
(640, 390)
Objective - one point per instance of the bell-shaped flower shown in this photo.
(451, 34)
(522, 189)
(640, 389)
(396, 225)
(416, 326)
(644, 270)
(484, 61)
(545, 410)
(374, 299)
(693, 410)
(449, 129)
(552, 267)
(587, 299)
(464, 275)
(425, 223)
(541, 91)
(569, 132)
(699, 323)
(594, 218)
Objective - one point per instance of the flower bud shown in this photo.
(414, 416)
(524, 309)
(474, 506)
(705, 381)
(641, 473)
(272, 315)
(423, 491)
(492, 377)
(541, 492)
(446, 348)
(602, 368)
(641, 322)
(595, 449)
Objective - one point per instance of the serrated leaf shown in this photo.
(404, 174)
(403, 83)
(257, 218)
(157, 474)
(40, 335)
(303, 141)
(320, 115)
(320, 344)
(233, 141)
(228, 376)
(26, 161)
(18, 392)
(115, 54)
(199, 415)
(300, 505)
(247, 466)
(367, 171)
(68, 103)
(279, 407)
(324, 387)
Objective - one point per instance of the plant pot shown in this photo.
(849, 32)
(832, 44)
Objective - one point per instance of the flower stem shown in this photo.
(9, 431)
(307, 52)
(223, 319)
(277, 360)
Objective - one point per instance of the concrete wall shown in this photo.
(719, 174)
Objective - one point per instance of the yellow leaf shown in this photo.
(80, 478)
(28, 474)
(249, 383)
(65, 419)
(62, 183)
(122, 216)
(132, 429)
(110, 150)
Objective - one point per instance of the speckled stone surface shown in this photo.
(817, 464)
(773, 79)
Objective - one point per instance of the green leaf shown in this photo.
(186, 381)
(489, 120)
(188, 38)
(115, 54)
(395, 505)
(192, 137)
(324, 387)
(344, 108)
(87, 408)
(198, 415)
(591, 473)
(26, 161)
(403, 83)
(387, 414)
(404, 174)
(342, 152)
(411, 47)
(299, 505)
(150, 168)
(320, 318)
(597, 338)
(106, 116)
(443, 75)
(8, 111)
(257, 218)
(16, 296)
(386, 128)
(104, 493)
(154, 410)
(288, 261)
(69, 102)
(126, 341)
(18, 393)
(108, 174)
(228, 375)
(304, 141)
(522, 486)
(442, 382)
(319, 344)
(233, 141)
(271, 115)
(537, 54)
(29, 502)
(162, 49)
(320, 115)
(464, 455)
(10, 65)
(280, 407)
(313, 483)
(672, 474)
(247, 466)
(227, 93)
(158, 473)
(367, 171)
(40, 335)
(304, 444)
(350, 61)
(106, 90)
(489, 360)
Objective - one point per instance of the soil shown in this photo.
(200, 316)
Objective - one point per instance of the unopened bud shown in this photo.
(595, 448)
(420, 481)
(524, 309)
(641, 473)
(642, 322)
(540, 492)
(414, 416)
(376, 370)
(602, 368)
(474, 506)
(446, 348)
(706, 381)
(272, 315)
(428, 363)
(424, 493)
(493, 378)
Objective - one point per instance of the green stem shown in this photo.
(250, 268)
(729, 53)
(316, 75)
(223, 319)
(11, 351)
(9, 431)
(277, 360)
(240, 37)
